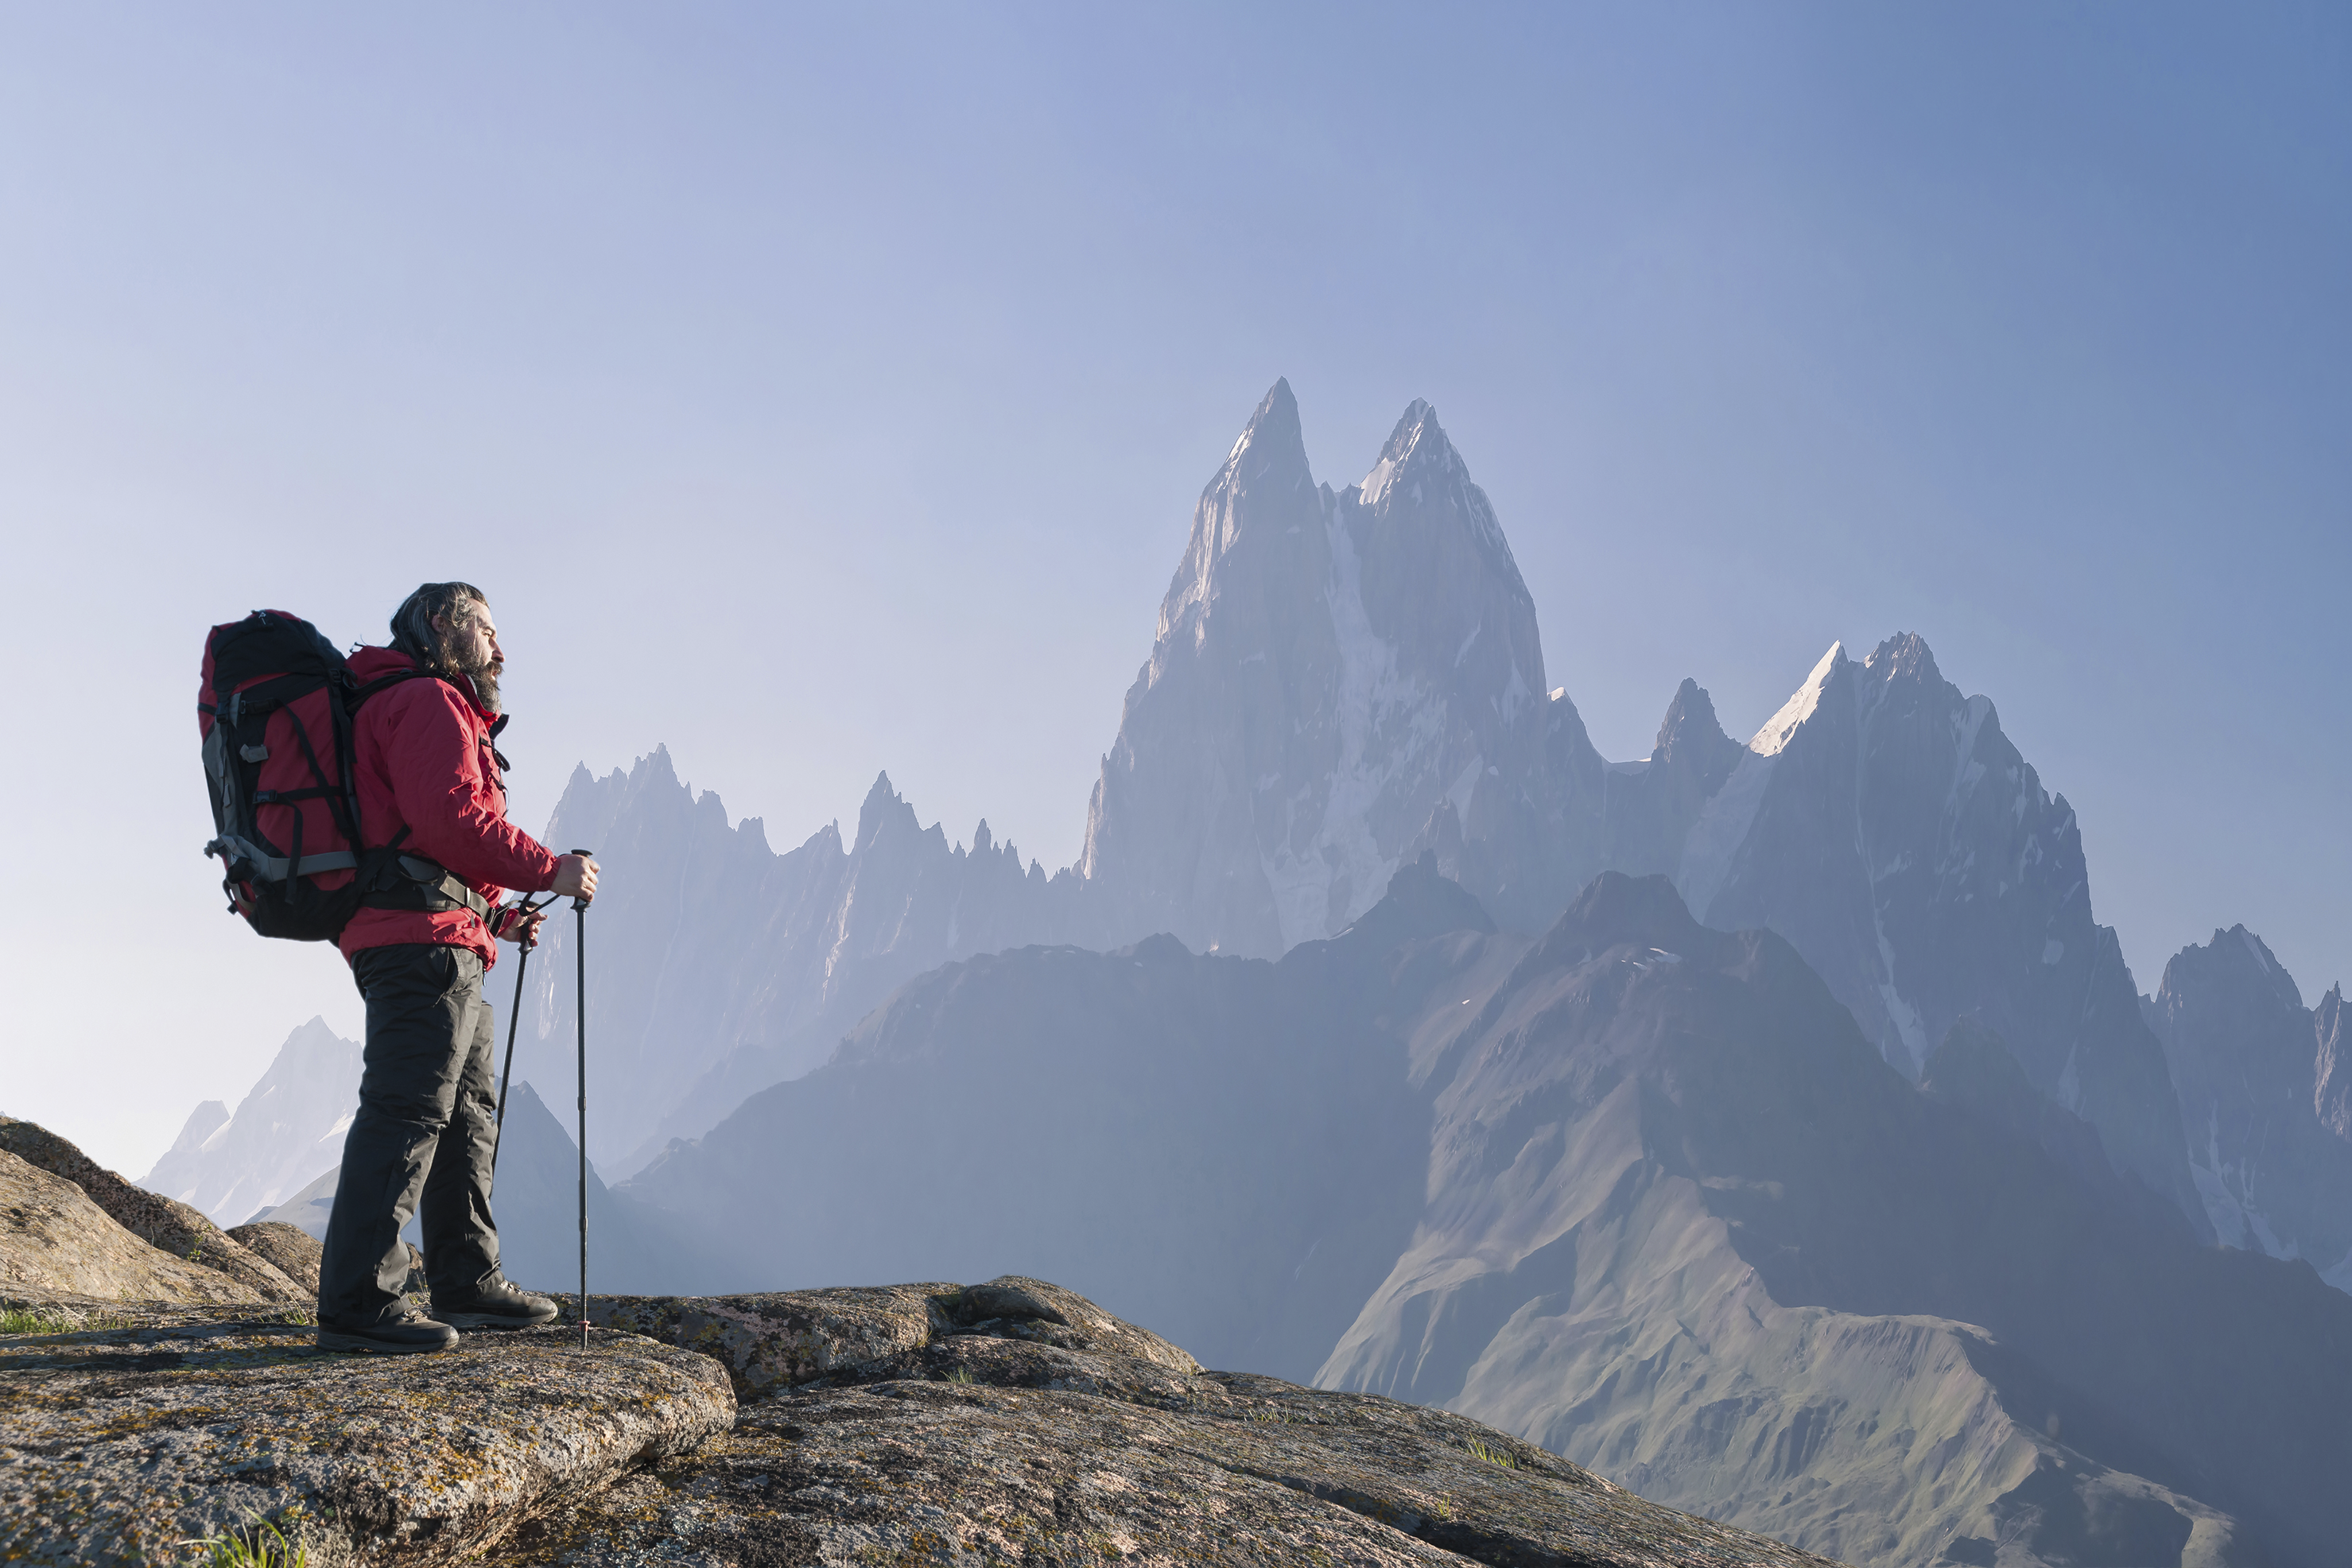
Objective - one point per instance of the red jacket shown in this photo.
(423, 761)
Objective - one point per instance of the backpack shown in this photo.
(275, 710)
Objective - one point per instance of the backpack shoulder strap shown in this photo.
(359, 694)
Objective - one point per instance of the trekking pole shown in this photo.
(580, 1011)
(514, 1019)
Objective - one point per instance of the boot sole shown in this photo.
(329, 1341)
(493, 1321)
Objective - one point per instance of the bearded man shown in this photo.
(427, 775)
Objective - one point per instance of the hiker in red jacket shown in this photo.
(427, 777)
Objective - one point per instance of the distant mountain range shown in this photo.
(1339, 680)
(535, 1200)
(287, 1130)
(1638, 1190)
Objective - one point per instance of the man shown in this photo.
(427, 779)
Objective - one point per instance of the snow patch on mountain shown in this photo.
(1779, 729)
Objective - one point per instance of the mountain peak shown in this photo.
(1615, 908)
(1273, 437)
(1779, 729)
(1416, 447)
(1421, 902)
(2235, 970)
(1904, 656)
(2272, 972)
(1690, 720)
(878, 800)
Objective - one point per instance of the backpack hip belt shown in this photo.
(412, 882)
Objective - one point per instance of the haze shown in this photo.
(821, 395)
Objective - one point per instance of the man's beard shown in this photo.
(485, 676)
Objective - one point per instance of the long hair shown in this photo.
(412, 624)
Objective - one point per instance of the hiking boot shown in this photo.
(404, 1330)
(496, 1305)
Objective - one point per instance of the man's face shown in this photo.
(472, 648)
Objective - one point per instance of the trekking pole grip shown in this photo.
(578, 902)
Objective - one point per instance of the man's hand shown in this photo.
(525, 929)
(575, 878)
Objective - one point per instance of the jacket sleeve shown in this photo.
(452, 811)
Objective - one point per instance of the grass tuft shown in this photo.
(1493, 1456)
(60, 1321)
(260, 1545)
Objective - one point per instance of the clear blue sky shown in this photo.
(827, 392)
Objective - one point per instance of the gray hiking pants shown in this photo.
(423, 1139)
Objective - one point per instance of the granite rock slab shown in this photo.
(778, 1340)
(118, 1445)
(980, 1449)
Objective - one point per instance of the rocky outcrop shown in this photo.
(163, 1223)
(1018, 1423)
(53, 1241)
(789, 1338)
(119, 1445)
(1013, 1422)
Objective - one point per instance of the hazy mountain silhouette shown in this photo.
(286, 1130)
(1638, 1190)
